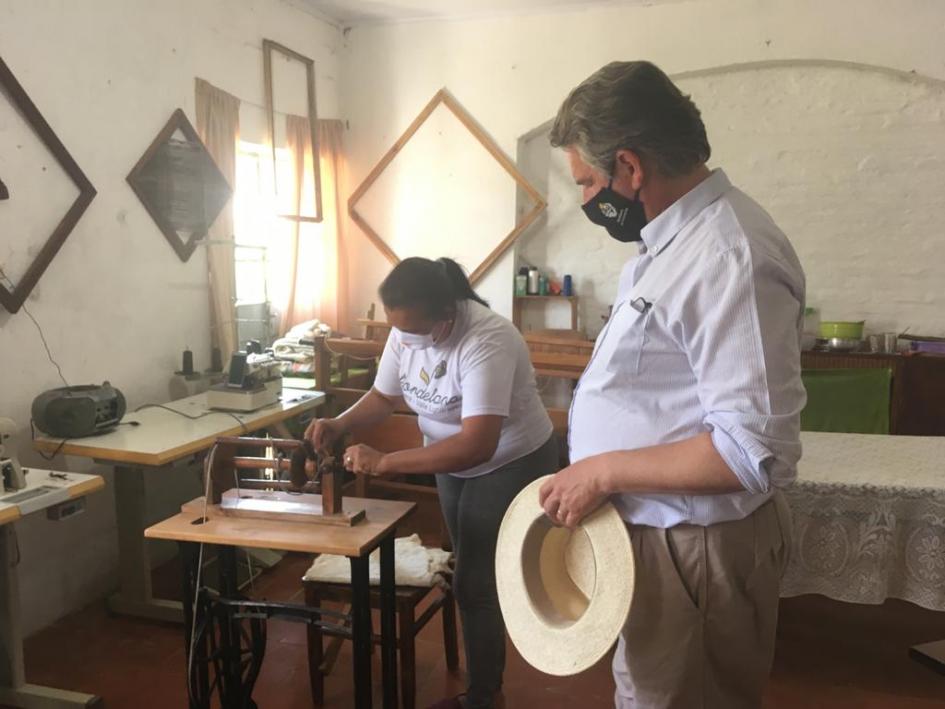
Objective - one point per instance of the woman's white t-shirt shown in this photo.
(482, 368)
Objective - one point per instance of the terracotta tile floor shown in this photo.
(829, 655)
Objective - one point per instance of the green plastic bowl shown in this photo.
(846, 329)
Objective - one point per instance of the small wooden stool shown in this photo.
(408, 625)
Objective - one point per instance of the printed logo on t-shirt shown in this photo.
(437, 373)
(423, 398)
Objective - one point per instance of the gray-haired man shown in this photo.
(687, 416)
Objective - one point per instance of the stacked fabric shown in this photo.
(414, 565)
(296, 350)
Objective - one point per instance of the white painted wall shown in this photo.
(848, 160)
(117, 303)
(512, 73)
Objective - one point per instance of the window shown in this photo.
(254, 218)
(276, 257)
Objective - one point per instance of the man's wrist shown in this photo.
(605, 475)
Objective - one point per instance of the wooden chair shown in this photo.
(398, 432)
(559, 353)
(374, 329)
(408, 625)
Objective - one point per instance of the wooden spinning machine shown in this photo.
(312, 492)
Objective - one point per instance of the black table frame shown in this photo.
(361, 632)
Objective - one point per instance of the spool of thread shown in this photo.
(216, 360)
(533, 284)
(187, 363)
(567, 287)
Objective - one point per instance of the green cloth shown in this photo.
(846, 400)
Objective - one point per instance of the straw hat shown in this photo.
(564, 595)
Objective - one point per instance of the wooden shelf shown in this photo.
(546, 297)
(519, 301)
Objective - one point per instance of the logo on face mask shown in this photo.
(608, 210)
(623, 217)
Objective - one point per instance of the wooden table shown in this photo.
(163, 439)
(917, 397)
(190, 528)
(42, 492)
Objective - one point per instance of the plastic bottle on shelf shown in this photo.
(533, 285)
(521, 284)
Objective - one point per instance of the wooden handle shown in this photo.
(288, 443)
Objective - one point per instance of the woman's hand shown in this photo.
(365, 460)
(572, 494)
(324, 432)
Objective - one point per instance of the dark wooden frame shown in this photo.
(269, 46)
(16, 94)
(177, 121)
(444, 97)
(4, 192)
(916, 403)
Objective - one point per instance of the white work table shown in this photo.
(161, 439)
(44, 489)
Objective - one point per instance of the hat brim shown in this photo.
(561, 643)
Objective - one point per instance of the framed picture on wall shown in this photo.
(180, 185)
(30, 178)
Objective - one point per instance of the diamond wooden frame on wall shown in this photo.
(170, 186)
(13, 299)
(444, 97)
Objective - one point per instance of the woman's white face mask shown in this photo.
(414, 341)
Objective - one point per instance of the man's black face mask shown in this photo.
(623, 218)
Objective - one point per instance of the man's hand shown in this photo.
(573, 493)
(364, 460)
(323, 433)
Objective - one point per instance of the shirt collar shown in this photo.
(658, 233)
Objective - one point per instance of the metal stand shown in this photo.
(14, 691)
(235, 653)
(134, 596)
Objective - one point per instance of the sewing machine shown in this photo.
(312, 492)
(13, 477)
(27, 491)
(254, 381)
(48, 490)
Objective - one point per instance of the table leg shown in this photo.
(361, 630)
(230, 630)
(134, 595)
(388, 623)
(14, 691)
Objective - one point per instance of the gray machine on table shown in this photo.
(254, 381)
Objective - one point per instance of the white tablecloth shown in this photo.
(869, 519)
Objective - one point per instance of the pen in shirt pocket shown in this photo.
(641, 305)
